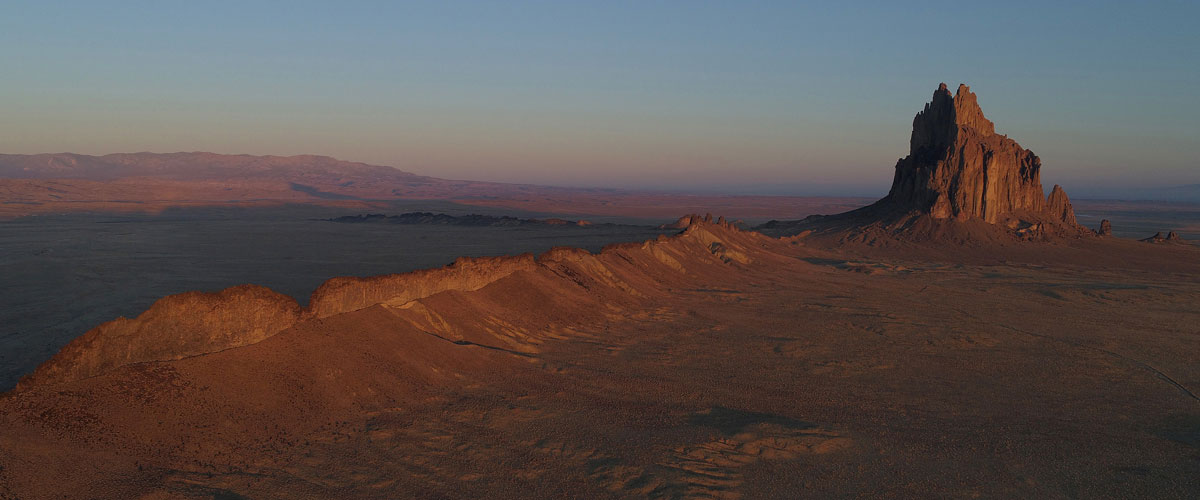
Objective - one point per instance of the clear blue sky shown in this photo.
(771, 97)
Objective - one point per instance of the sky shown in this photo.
(740, 97)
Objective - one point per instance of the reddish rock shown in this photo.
(1171, 237)
(683, 222)
(1059, 206)
(961, 183)
(692, 219)
(196, 323)
(344, 294)
(1105, 228)
(958, 167)
(175, 327)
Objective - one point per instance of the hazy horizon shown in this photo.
(764, 99)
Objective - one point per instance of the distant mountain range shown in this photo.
(471, 220)
(152, 182)
(306, 175)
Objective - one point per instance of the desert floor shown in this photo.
(779, 370)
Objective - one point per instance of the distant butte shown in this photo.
(958, 168)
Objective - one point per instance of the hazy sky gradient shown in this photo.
(773, 97)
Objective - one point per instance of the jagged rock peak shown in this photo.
(1105, 228)
(968, 114)
(936, 127)
(958, 167)
(1059, 206)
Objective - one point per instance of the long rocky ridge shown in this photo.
(196, 323)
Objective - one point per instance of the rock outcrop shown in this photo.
(1171, 237)
(175, 327)
(1105, 228)
(683, 222)
(196, 323)
(342, 294)
(687, 220)
(959, 167)
(1058, 206)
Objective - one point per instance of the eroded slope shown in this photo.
(717, 364)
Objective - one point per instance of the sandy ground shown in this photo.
(750, 368)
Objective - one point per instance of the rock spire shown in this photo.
(959, 167)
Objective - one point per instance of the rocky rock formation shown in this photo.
(1058, 206)
(683, 222)
(1171, 237)
(175, 327)
(960, 183)
(959, 167)
(1105, 228)
(195, 323)
(687, 220)
(343, 294)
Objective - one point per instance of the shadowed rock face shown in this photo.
(961, 182)
(958, 167)
(1059, 206)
